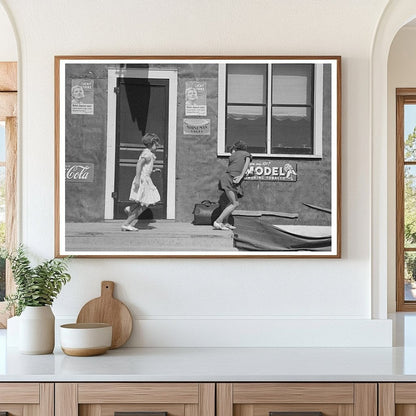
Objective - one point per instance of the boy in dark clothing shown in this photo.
(231, 182)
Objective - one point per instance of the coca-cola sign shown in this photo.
(79, 172)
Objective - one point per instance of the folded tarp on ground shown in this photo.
(260, 234)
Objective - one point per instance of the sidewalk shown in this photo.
(160, 235)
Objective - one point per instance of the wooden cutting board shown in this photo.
(107, 309)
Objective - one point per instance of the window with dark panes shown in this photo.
(247, 106)
(275, 107)
(292, 109)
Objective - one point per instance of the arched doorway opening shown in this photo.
(383, 239)
(401, 124)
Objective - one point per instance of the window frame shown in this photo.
(8, 113)
(403, 96)
(317, 113)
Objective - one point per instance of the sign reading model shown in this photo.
(272, 171)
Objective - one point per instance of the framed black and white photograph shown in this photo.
(198, 156)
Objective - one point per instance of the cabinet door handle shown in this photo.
(295, 413)
(139, 414)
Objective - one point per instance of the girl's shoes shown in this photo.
(220, 226)
(229, 226)
(128, 228)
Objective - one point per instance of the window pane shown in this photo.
(2, 141)
(410, 132)
(292, 84)
(409, 275)
(2, 230)
(247, 123)
(410, 206)
(292, 130)
(2, 279)
(246, 83)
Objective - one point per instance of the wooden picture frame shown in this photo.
(280, 114)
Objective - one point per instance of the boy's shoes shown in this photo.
(220, 226)
(127, 210)
(128, 228)
(229, 226)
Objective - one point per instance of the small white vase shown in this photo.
(37, 330)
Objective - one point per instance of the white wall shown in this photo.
(401, 74)
(212, 302)
(8, 46)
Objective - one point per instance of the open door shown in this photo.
(142, 107)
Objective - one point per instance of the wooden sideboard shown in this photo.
(208, 399)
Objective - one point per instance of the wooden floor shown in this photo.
(161, 235)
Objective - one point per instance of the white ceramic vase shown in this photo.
(37, 330)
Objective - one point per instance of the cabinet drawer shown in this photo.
(309, 399)
(138, 393)
(397, 399)
(19, 393)
(21, 399)
(146, 399)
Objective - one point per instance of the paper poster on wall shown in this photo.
(82, 96)
(197, 126)
(195, 98)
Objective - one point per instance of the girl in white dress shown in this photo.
(143, 192)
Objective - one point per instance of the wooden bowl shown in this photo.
(84, 340)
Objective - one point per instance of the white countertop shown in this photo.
(221, 364)
(215, 364)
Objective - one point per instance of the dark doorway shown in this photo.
(142, 107)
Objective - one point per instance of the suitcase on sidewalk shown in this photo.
(206, 212)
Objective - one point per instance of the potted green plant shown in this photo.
(36, 289)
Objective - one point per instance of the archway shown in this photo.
(396, 15)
